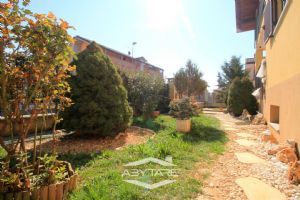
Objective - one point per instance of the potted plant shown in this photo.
(155, 113)
(182, 110)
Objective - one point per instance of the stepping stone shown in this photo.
(258, 190)
(228, 125)
(249, 158)
(245, 142)
(245, 135)
(231, 129)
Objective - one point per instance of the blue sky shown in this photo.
(167, 32)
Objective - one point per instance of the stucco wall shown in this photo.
(283, 73)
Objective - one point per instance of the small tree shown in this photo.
(230, 70)
(188, 80)
(240, 97)
(181, 82)
(100, 99)
(35, 50)
(144, 92)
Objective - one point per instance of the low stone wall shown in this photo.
(49, 124)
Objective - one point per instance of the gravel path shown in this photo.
(224, 172)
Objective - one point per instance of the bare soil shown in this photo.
(68, 144)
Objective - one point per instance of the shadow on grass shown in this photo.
(149, 124)
(78, 160)
(201, 132)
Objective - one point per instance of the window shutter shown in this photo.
(268, 25)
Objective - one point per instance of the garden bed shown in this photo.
(57, 191)
(101, 175)
(69, 144)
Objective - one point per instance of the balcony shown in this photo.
(246, 14)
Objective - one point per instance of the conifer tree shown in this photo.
(100, 99)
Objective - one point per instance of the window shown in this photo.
(272, 14)
(277, 9)
(274, 117)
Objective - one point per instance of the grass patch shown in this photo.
(102, 173)
(3, 153)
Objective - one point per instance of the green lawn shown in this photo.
(102, 173)
(2, 153)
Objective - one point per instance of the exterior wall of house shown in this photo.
(282, 91)
(122, 61)
(172, 90)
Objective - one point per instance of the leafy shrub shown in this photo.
(164, 99)
(240, 97)
(181, 109)
(143, 92)
(100, 99)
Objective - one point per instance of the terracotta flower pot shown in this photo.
(155, 113)
(183, 125)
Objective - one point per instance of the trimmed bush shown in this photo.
(182, 109)
(163, 105)
(100, 99)
(240, 97)
(143, 92)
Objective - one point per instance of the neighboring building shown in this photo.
(172, 90)
(208, 99)
(277, 63)
(203, 97)
(123, 61)
(173, 94)
(250, 68)
(215, 99)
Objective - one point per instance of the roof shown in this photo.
(118, 52)
(246, 14)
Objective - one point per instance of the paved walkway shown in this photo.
(241, 172)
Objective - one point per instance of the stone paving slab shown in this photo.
(258, 190)
(245, 142)
(245, 135)
(249, 158)
(230, 129)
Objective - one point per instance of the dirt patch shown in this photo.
(133, 135)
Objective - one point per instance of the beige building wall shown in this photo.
(282, 97)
